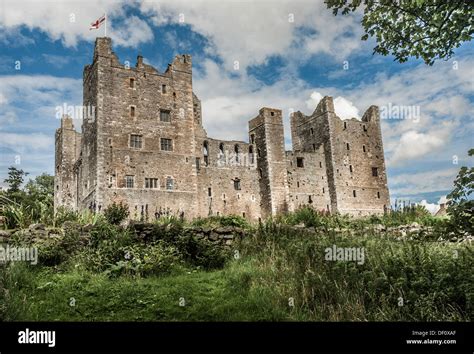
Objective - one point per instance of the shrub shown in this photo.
(116, 213)
(51, 252)
(201, 252)
(138, 260)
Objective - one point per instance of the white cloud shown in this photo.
(344, 108)
(251, 32)
(3, 99)
(27, 142)
(405, 184)
(413, 145)
(433, 207)
(69, 21)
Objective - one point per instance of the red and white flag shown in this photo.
(98, 23)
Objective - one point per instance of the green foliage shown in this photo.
(116, 213)
(461, 204)
(33, 204)
(429, 30)
(15, 180)
(155, 259)
(433, 280)
(406, 216)
(17, 215)
(82, 217)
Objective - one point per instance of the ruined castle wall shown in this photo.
(266, 132)
(227, 180)
(359, 167)
(311, 135)
(87, 164)
(145, 145)
(307, 180)
(66, 154)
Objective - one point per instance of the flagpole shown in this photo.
(106, 24)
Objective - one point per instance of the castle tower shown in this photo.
(67, 145)
(266, 131)
(139, 146)
(354, 157)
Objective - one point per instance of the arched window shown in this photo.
(205, 151)
(251, 156)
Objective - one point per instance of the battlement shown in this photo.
(103, 49)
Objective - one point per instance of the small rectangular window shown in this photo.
(169, 183)
(354, 194)
(350, 168)
(132, 83)
(347, 146)
(365, 128)
(378, 195)
(375, 171)
(151, 183)
(165, 116)
(166, 144)
(300, 162)
(132, 111)
(129, 181)
(209, 192)
(237, 184)
(163, 89)
(363, 148)
(136, 141)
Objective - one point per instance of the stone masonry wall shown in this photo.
(146, 146)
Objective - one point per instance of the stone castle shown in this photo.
(145, 145)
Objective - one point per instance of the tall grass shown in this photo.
(399, 280)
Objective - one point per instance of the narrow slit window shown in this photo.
(299, 162)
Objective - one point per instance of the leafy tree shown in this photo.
(427, 29)
(461, 204)
(41, 188)
(15, 180)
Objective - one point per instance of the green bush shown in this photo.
(51, 252)
(116, 213)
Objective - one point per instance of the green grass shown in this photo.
(278, 266)
(224, 295)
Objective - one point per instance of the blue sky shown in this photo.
(289, 54)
